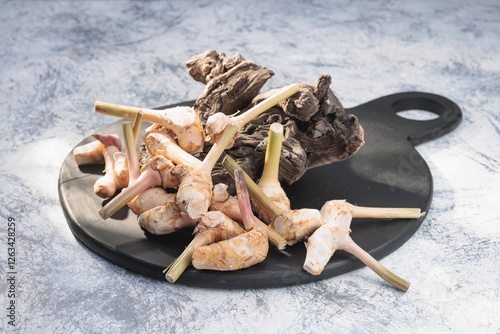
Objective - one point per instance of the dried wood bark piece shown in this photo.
(210, 64)
(231, 83)
(317, 132)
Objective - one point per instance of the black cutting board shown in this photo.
(387, 171)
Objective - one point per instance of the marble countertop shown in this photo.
(59, 57)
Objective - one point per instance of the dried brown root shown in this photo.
(231, 83)
(209, 65)
(330, 135)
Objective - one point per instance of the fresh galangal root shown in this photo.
(242, 251)
(195, 189)
(334, 235)
(184, 122)
(157, 173)
(165, 219)
(213, 226)
(293, 225)
(93, 152)
(115, 169)
(223, 201)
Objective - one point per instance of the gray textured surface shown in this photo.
(58, 57)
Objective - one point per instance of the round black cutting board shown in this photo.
(387, 171)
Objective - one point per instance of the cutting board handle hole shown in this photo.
(418, 108)
(417, 115)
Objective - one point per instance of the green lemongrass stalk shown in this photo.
(270, 208)
(134, 170)
(137, 125)
(179, 265)
(384, 213)
(399, 283)
(216, 123)
(249, 219)
(117, 110)
(218, 148)
(270, 173)
(269, 181)
(264, 105)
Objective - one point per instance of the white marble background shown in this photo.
(58, 57)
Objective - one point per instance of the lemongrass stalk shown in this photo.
(137, 125)
(117, 110)
(270, 208)
(179, 265)
(134, 169)
(270, 173)
(217, 122)
(393, 279)
(218, 148)
(269, 181)
(249, 219)
(264, 105)
(384, 213)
